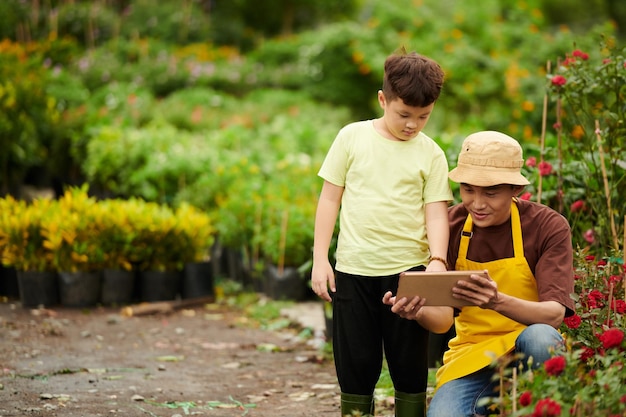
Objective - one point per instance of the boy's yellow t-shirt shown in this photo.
(386, 186)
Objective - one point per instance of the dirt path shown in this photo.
(206, 361)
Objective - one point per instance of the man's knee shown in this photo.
(539, 342)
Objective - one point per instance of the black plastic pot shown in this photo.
(117, 286)
(38, 288)
(290, 285)
(8, 282)
(159, 285)
(80, 289)
(198, 280)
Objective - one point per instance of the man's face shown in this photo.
(488, 206)
(402, 122)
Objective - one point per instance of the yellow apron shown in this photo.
(483, 335)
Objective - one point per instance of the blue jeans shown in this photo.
(460, 397)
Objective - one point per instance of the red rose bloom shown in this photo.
(596, 295)
(619, 306)
(572, 322)
(580, 54)
(531, 162)
(555, 365)
(526, 196)
(545, 168)
(595, 299)
(577, 206)
(568, 61)
(611, 338)
(526, 398)
(587, 354)
(558, 80)
(590, 258)
(547, 407)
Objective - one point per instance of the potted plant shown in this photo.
(198, 270)
(22, 245)
(8, 275)
(239, 213)
(117, 241)
(286, 233)
(72, 234)
(160, 250)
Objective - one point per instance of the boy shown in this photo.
(390, 181)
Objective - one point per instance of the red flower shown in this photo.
(568, 61)
(577, 206)
(601, 262)
(555, 365)
(587, 354)
(590, 258)
(531, 162)
(547, 407)
(526, 196)
(573, 322)
(596, 295)
(623, 399)
(590, 238)
(545, 168)
(611, 338)
(619, 306)
(614, 279)
(580, 54)
(526, 398)
(558, 80)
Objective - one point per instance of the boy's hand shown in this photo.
(323, 278)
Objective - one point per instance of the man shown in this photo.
(526, 249)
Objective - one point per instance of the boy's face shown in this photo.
(489, 206)
(402, 122)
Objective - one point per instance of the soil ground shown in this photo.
(209, 360)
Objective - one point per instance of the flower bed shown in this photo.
(588, 379)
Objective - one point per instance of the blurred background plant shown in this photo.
(175, 101)
(582, 168)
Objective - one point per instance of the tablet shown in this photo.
(435, 287)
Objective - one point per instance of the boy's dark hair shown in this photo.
(414, 78)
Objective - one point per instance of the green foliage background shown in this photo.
(232, 107)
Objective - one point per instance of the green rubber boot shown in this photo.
(363, 404)
(410, 405)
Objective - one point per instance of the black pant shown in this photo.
(363, 326)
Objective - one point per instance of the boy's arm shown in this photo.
(322, 275)
(438, 233)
